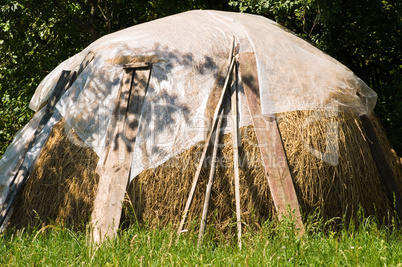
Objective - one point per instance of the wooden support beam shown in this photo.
(270, 144)
(385, 171)
(115, 173)
(137, 65)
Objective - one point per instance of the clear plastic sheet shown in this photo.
(189, 52)
(17, 150)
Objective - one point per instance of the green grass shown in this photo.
(275, 245)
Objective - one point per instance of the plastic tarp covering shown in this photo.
(17, 150)
(189, 53)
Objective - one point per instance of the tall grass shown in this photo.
(276, 244)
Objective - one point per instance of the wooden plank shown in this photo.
(22, 174)
(88, 58)
(137, 65)
(385, 171)
(210, 180)
(270, 143)
(114, 176)
(206, 145)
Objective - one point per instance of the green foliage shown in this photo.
(10, 123)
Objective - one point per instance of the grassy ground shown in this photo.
(276, 244)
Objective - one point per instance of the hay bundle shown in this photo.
(63, 185)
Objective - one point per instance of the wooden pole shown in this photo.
(65, 81)
(206, 145)
(235, 130)
(210, 180)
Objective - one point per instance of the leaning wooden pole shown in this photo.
(206, 145)
(235, 135)
(65, 81)
(210, 180)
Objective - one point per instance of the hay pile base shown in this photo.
(158, 196)
(345, 189)
(62, 186)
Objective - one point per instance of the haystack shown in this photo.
(63, 185)
(129, 118)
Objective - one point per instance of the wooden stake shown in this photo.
(235, 129)
(206, 145)
(210, 180)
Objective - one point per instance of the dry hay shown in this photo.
(62, 186)
(339, 188)
(158, 196)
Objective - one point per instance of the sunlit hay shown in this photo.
(339, 181)
(334, 182)
(158, 196)
(339, 185)
(63, 184)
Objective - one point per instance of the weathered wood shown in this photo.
(210, 180)
(64, 82)
(88, 58)
(137, 65)
(206, 145)
(270, 144)
(385, 171)
(235, 137)
(114, 175)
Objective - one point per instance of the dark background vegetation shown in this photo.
(37, 35)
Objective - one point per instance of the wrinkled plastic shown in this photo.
(17, 151)
(189, 53)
